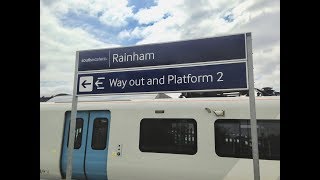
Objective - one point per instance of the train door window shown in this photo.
(77, 133)
(233, 138)
(99, 134)
(176, 136)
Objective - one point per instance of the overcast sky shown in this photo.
(70, 25)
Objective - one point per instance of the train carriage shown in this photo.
(161, 139)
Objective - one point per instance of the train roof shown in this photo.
(159, 97)
(105, 98)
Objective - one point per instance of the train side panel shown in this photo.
(51, 133)
(132, 164)
(205, 164)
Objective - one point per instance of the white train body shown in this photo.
(124, 126)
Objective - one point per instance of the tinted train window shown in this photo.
(176, 136)
(99, 134)
(233, 139)
(77, 133)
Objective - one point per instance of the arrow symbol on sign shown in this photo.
(84, 83)
(97, 83)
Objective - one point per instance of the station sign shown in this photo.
(194, 78)
(209, 64)
(191, 51)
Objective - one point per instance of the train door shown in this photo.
(90, 145)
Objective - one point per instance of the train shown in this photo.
(132, 138)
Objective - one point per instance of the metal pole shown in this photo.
(72, 120)
(253, 121)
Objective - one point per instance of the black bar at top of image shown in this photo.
(191, 51)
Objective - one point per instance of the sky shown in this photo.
(67, 26)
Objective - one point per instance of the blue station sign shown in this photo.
(209, 64)
(193, 78)
(222, 48)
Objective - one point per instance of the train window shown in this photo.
(176, 136)
(77, 133)
(99, 134)
(233, 138)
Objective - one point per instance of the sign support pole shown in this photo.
(72, 121)
(253, 120)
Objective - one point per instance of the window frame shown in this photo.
(195, 136)
(245, 122)
(93, 130)
(74, 147)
